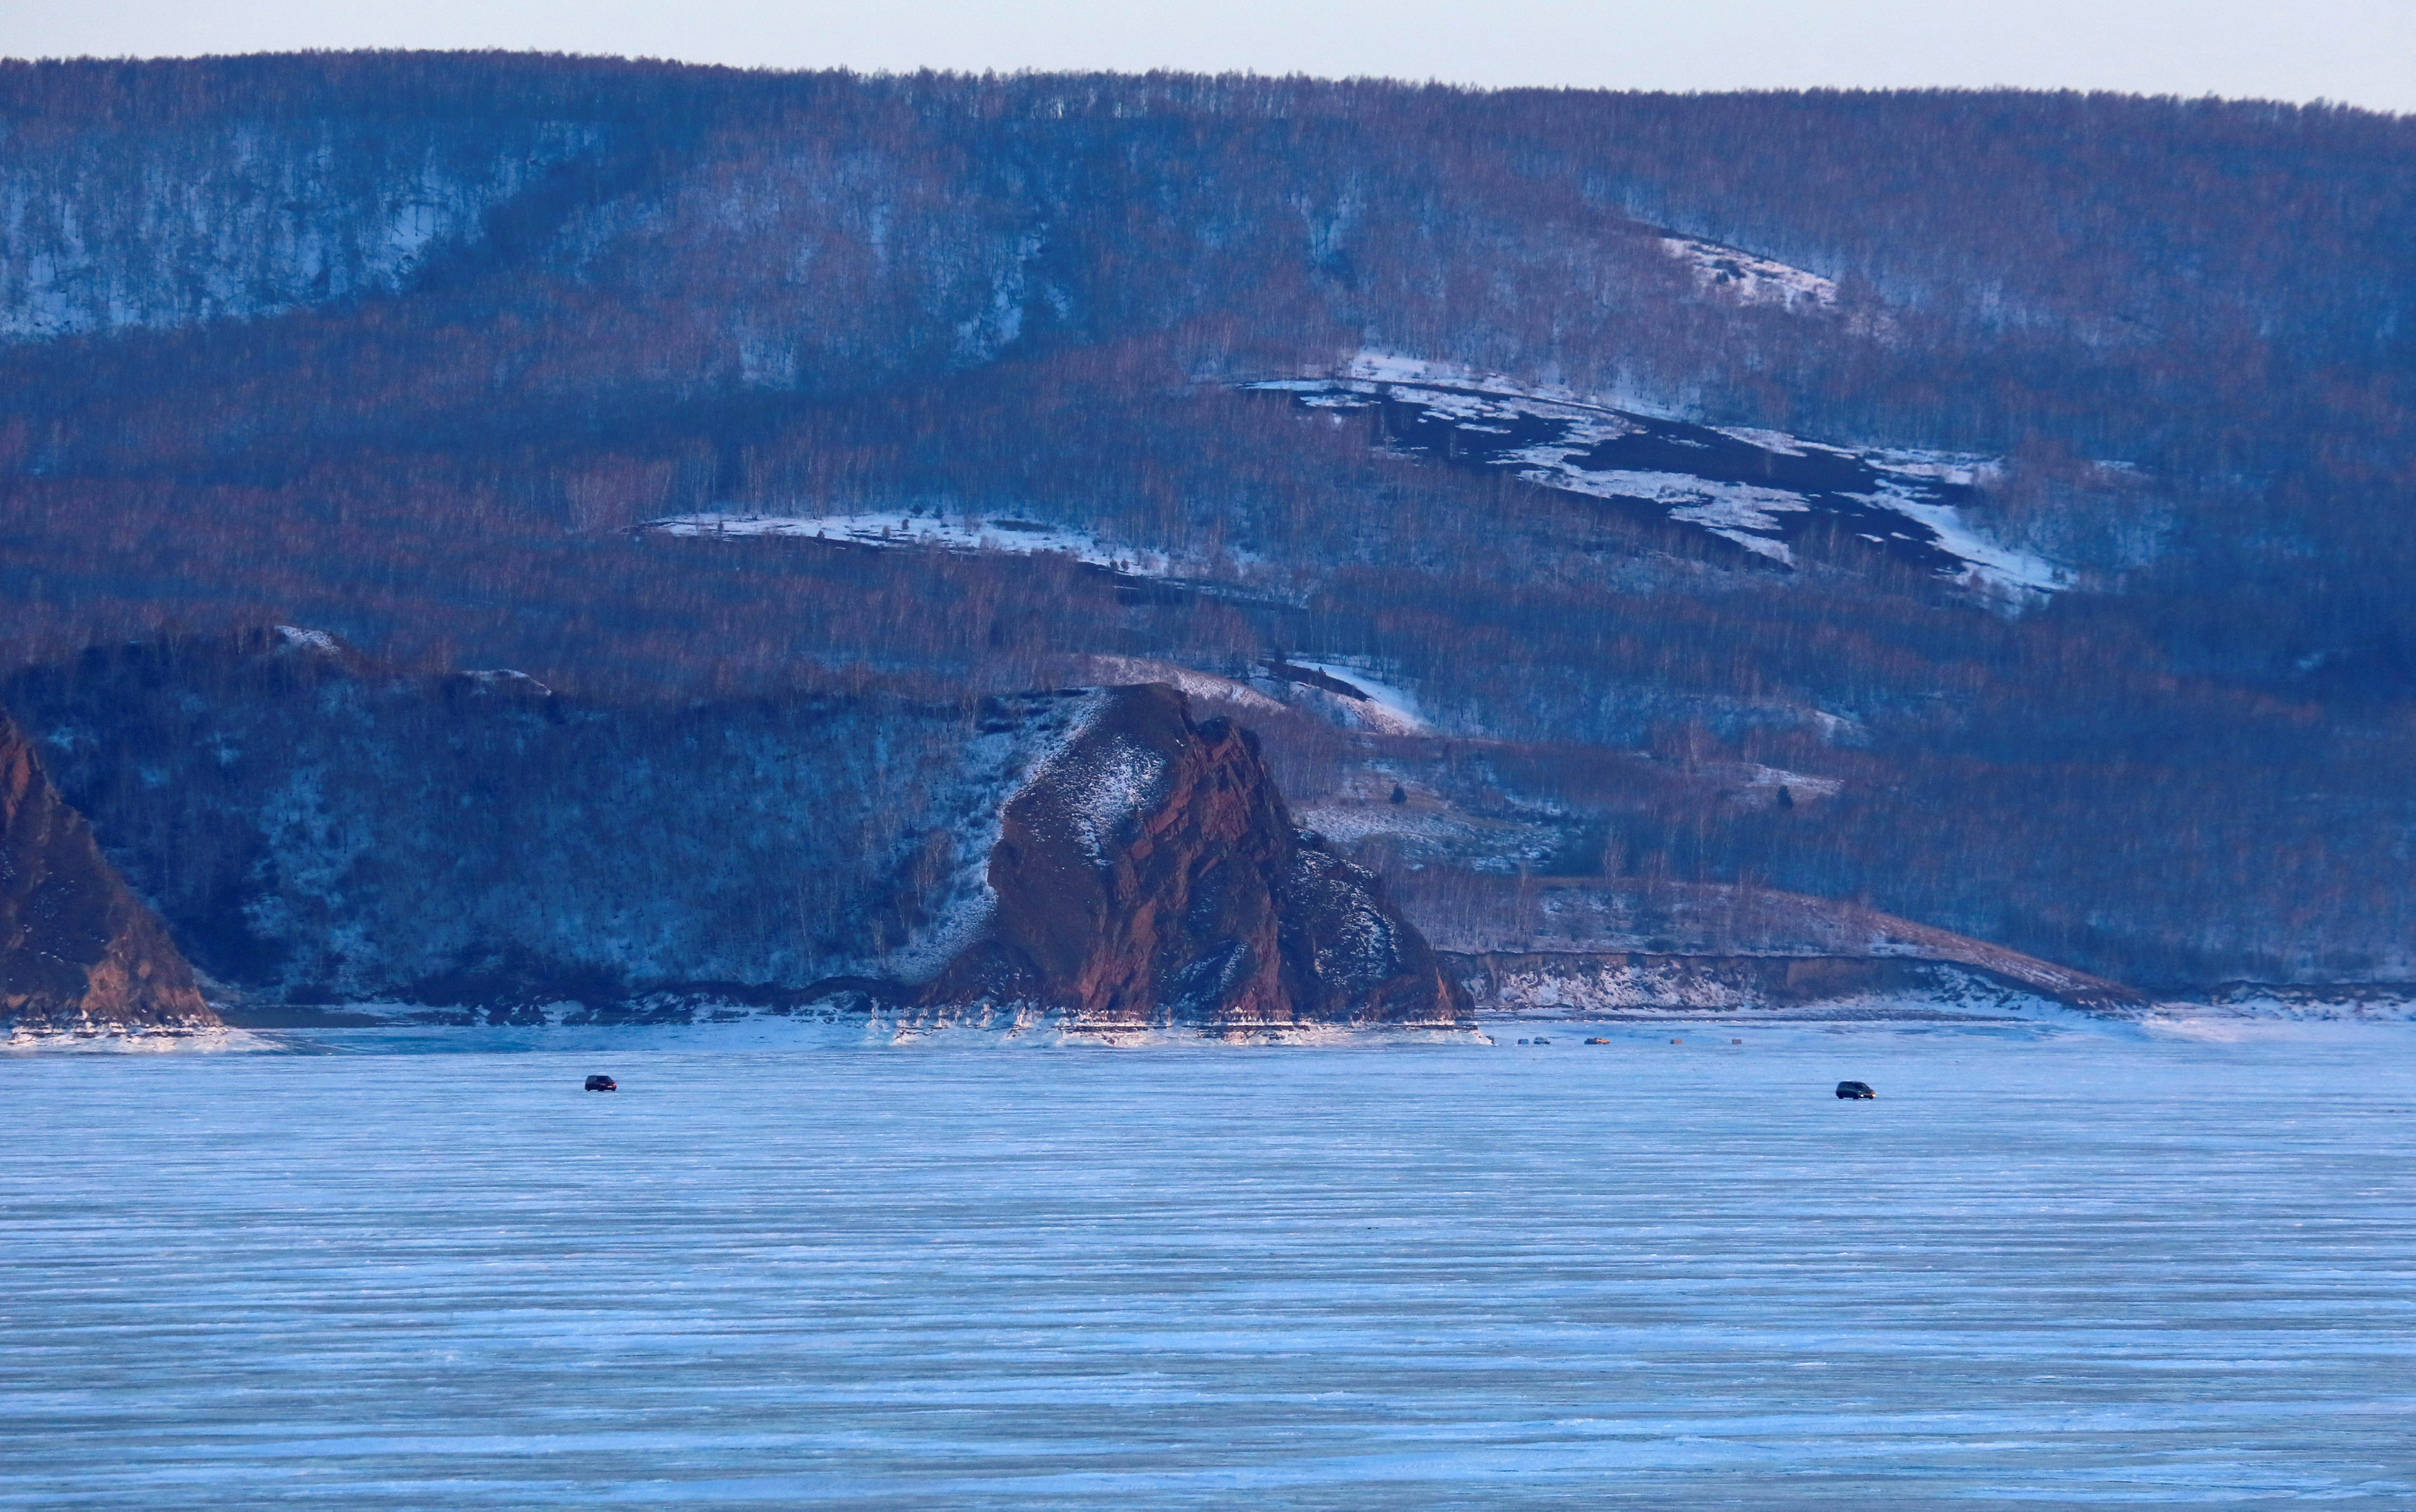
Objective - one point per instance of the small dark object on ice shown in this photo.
(1855, 1089)
(606, 1084)
(1543, 1042)
(1400, 794)
(1597, 1039)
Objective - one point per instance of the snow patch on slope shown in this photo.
(1104, 788)
(999, 765)
(1388, 709)
(1191, 683)
(317, 642)
(1799, 785)
(1478, 405)
(1991, 564)
(1374, 366)
(1753, 280)
(1740, 511)
(946, 533)
(503, 679)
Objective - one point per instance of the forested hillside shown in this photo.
(425, 350)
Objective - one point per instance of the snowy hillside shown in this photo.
(241, 219)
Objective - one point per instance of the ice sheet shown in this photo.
(2045, 1268)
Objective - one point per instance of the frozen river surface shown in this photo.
(2041, 1270)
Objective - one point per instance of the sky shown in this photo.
(2356, 51)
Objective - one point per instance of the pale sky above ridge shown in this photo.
(2356, 51)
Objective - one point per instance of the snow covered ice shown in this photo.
(2049, 1267)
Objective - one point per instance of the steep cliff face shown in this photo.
(1150, 874)
(77, 949)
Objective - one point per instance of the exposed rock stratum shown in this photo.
(1149, 875)
(78, 949)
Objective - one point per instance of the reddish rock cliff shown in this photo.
(1149, 875)
(77, 949)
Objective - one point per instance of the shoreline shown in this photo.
(394, 1030)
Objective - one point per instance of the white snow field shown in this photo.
(2046, 1268)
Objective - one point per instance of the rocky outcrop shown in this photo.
(322, 832)
(78, 950)
(1149, 875)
